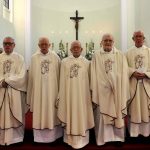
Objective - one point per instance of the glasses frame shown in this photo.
(8, 43)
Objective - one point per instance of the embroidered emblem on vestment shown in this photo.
(7, 66)
(108, 65)
(74, 70)
(45, 66)
(139, 61)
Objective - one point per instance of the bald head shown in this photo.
(76, 48)
(107, 42)
(138, 38)
(44, 45)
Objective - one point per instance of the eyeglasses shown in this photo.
(107, 40)
(44, 44)
(8, 43)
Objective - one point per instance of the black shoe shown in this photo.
(118, 144)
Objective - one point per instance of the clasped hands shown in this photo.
(4, 84)
(139, 75)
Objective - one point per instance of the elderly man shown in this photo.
(42, 93)
(74, 105)
(138, 58)
(12, 94)
(109, 85)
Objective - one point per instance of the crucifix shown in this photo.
(76, 20)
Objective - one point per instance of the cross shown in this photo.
(76, 19)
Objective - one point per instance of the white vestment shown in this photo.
(139, 106)
(42, 94)
(74, 105)
(12, 98)
(110, 92)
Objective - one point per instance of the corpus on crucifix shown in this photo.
(76, 20)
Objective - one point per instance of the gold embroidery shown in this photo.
(139, 61)
(108, 65)
(74, 70)
(7, 66)
(45, 66)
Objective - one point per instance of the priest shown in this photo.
(110, 92)
(12, 94)
(138, 58)
(42, 93)
(74, 104)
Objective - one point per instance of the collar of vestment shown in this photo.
(8, 54)
(140, 48)
(39, 52)
(114, 50)
(71, 56)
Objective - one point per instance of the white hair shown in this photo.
(9, 37)
(44, 39)
(75, 42)
(107, 34)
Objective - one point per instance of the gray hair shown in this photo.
(44, 38)
(75, 42)
(9, 37)
(107, 34)
(138, 31)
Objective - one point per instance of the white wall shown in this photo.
(19, 25)
(131, 4)
(6, 27)
(142, 16)
(53, 20)
(16, 27)
(138, 19)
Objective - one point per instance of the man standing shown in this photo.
(138, 58)
(42, 93)
(74, 105)
(109, 85)
(12, 94)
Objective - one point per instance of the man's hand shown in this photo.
(139, 75)
(4, 84)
